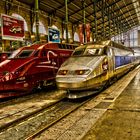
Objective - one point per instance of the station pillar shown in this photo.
(37, 20)
(66, 20)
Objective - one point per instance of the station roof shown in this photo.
(108, 16)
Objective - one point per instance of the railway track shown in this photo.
(40, 120)
(66, 108)
(14, 111)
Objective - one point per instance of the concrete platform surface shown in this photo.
(121, 121)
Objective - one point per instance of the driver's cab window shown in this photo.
(78, 52)
(95, 51)
(24, 54)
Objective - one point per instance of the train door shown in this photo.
(52, 57)
(110, 61)
(49, 63)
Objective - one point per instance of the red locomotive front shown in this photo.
(32, 67)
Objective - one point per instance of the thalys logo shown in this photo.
(16, 29)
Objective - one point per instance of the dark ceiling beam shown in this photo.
(123, 21)
(87, 5)
(120, 15)
(124, 13)
(114, 30)
(114, 11)
(111, 18)
(99, 10)
(106, 26)
(118, 20)
(60, 11)
(128, 9)
(44, 4)
(120, 9)
(61, 7)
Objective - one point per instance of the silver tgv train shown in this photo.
(92, 66)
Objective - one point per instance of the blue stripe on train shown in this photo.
(122, 60)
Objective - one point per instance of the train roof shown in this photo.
(38, 46)
(108, 43)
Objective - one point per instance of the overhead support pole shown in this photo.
(63, 28)
(7, 6)
(109, 23)
(37, 20)
(32, 15)
(84, 19)
(118, 27)
(50, 20)
(114, 21)
(94, 21)
(66, 20)
(73, 31)
(121, 30)
(103, 19)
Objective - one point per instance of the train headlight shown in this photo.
(7, 75)
(62, 72)
(6, 72)
(82, 72)
(21, 79)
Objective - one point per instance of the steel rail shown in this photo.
(39, 131)
(26, 116)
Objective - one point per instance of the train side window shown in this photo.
(78, 52)
(63, 46)
(60, 46)
(43, 53)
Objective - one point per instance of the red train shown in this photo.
(32, 67)
(4, 55)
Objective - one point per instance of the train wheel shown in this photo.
(40, 85)
(37, 87)
(112, 80)
(107, 84)
(51, 83)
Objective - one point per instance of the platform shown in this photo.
(121, 121)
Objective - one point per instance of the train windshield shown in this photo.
(94, 51)
(22, 54)
(14, 54)
(78, 52)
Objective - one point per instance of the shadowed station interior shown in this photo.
(69, 69)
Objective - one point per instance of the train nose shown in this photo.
(71, 79)
(69, 83)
